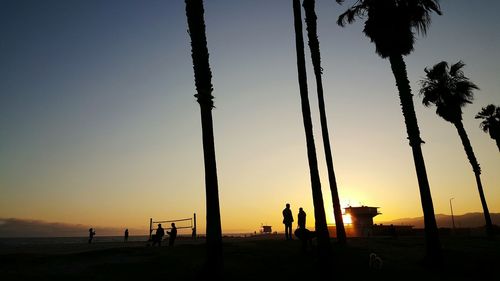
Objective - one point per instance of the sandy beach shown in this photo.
(250, 258)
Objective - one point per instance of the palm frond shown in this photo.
(421, 25)
(448, 89)
(350, 15)
(455, 69)
(487, 111)
(419, 13)
(437, 71)
(491, 117)
(463, 90)
(391, 24)
(432, 5)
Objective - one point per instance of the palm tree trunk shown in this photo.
(316, 60)
(433, 244)
(319, 209)
(494, 130)
(203, 77)
(477, 172)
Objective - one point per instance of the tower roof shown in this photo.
(362, 211)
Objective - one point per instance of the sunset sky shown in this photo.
(99, 126)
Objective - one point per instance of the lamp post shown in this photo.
(452, 218)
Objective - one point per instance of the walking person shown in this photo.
(287, 220)
(126, 235)
(91, 235)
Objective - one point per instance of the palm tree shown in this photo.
(491, 122)
(449, 90)
(312, 34)
(390, 24)
(203, 77)
(319, 209)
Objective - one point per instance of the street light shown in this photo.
(452, 218)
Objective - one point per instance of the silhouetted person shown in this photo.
(305, 236)
(301, 218)
(287, 220)
(158, 236)
(173, 234)
(91, 235)
(126, 235)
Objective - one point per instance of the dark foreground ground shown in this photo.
(254, 258)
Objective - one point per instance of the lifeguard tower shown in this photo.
(362, 218)
(266, 229)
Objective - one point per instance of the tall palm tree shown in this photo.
(319, 209)
(449, 90)
(491, 122)
(203, 81)
(390, 25)
(312, 34)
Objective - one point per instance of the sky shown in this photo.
(99, 125)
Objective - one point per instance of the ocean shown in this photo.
(67, 240)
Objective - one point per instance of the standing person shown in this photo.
(158, 236)
(91, 235)
(287, 220)
(173, 235)
(126, 235)
(301, 218)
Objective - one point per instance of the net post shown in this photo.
(194, 226)
(150, 227)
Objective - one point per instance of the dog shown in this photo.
(375, 262)
(306, 236)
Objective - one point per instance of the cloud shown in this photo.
(12, 227)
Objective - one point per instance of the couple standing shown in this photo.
(160, 232)
(288, 220)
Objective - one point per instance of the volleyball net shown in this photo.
(180, 224)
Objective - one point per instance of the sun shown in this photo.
(347, 219)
